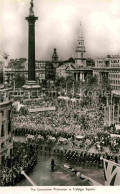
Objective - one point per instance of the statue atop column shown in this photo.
(31, 87)
(31, 8)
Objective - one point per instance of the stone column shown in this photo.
(31, 47)
(113, 114)
(105, 115)
(118, 110)
(31, 88)
(109, 115)
(100, 77)
(80, 76)
(83, 78)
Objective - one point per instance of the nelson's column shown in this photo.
(31, 88)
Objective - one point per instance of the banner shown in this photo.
(111, 173)
(51, 108)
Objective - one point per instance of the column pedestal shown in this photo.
(32, 90)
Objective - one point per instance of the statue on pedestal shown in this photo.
(31, 8)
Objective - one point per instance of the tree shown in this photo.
(69, 79)
(105, 85)
(24, 110)
(91, 82)
(19, 80)
(60, 82)
(17, 63)
(105, 89)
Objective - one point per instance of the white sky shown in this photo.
(58, 27)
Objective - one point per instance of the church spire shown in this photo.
(80, 49)
(80, 36)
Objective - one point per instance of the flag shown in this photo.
(111, 173)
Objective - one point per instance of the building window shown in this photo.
(3, 96)
(81, 55)
(2, 130)
(9, 127)
(11, 151)
(10, 140)
(9, 114)
(3, 159)
(2, 145)
(2, 112)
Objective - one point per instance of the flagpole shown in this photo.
(109, 112)
(60, 89)
(118, 113)
(113, 113)
(66, 88)
(28, 178)
(73, 89)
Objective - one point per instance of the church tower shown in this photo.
(55, 56)
(80, 50)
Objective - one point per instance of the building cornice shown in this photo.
(6, 103)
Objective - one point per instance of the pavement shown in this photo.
(42, 175)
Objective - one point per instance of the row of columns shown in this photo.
(103, 76)
(111, 115)
(79, 76)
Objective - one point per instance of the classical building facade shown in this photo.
(12, 73)
(108, 68)
(40, 71)
(6, 141)
(61, 71)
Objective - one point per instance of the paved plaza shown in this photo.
(42, 175)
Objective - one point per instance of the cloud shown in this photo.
(58, 27)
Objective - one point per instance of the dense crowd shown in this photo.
(85, 158)
(59, 130)
(24, 158)
(40, 102)
(69, 117)
(69, 120)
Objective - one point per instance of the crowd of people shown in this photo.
(68, 120)
(68, 117)
(40, 102)
(24, 158)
